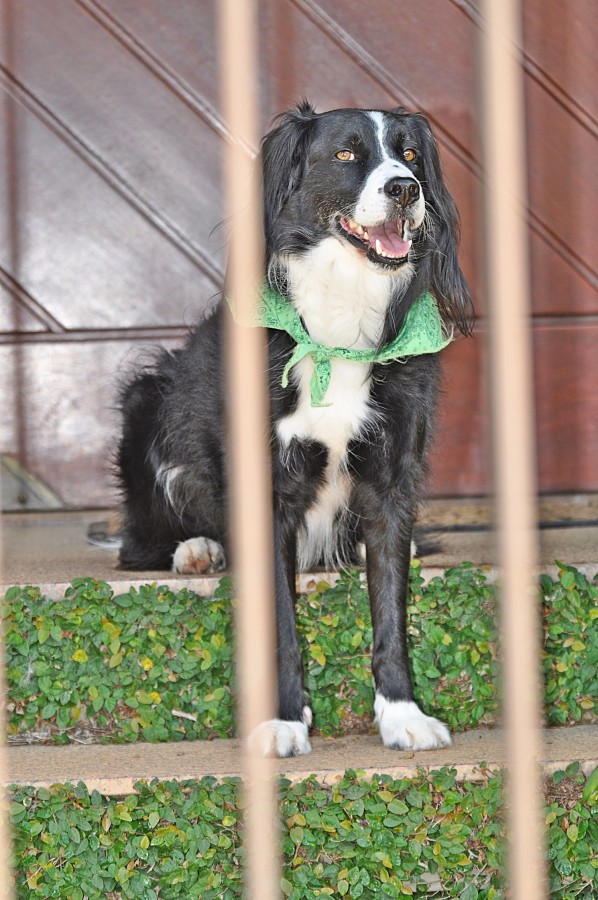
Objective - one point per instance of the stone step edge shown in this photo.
(113, 770)
(205, 585)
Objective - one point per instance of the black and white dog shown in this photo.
(359, 227)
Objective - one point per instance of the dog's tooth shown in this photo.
(366, 236)
(379, 248)
(359, 229)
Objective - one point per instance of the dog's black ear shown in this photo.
(448, 282)
(284, 154)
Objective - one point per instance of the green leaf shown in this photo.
(567, 579)
(451, 624)
(470, 893)
(43, 632)
(398, 807)
(590, 791)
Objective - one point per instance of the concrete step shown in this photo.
(114, 769)
(49, 549)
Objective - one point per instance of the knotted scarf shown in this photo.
(422, 332)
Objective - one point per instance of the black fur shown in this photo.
(173, 413)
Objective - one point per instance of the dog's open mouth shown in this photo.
(387, 244)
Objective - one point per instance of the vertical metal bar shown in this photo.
(250, 487)
(513, 422)
(11, 210)
(12, 115)
(5, 837)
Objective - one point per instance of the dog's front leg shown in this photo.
(388, 527)
(288, 734)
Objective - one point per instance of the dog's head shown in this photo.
(372, 180)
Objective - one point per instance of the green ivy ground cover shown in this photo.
(121, 664)
(427, 837)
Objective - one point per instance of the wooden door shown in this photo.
(111, 192)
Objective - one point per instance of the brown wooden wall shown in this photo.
(111, 190)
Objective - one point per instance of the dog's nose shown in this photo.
(404, 190)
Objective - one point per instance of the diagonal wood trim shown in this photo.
(159, 69)
(115, 179)
(562, 97)
(541, 77)
(180, 332)
(555, 242)
(381, 76)
(158, 333)
(32, 306)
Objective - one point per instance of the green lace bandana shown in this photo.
(422, 332)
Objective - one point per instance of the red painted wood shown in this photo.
(69, 427)
(566, 412)
(112, 188)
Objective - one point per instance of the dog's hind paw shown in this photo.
(198, 556)
(279, 737)
(403, 726)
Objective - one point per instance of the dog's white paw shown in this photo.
(403, 726)
(278, 737)
(198, 556)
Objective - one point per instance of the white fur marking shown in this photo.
(198, 556)
(318, 540)
(343, 303)
(165, 476)
(278, 737)
(374, 206)
(404, 726)
(341, 297)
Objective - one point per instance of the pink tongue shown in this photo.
(391, 241)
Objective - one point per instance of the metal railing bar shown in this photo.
(513, 445)
(249, 470)
(5, 836)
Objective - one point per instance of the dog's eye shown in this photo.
(409, 154)
(345, 155)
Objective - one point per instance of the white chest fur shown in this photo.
(343, 303)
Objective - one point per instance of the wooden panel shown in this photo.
(14, 317)
(563, 189)
(428, 52)
(121, 114)
(183, 44)
(460, 460)
(85, 253)
(111, 190)
(70, 427)
(566, 415)
(561, 42)
(567, 406)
